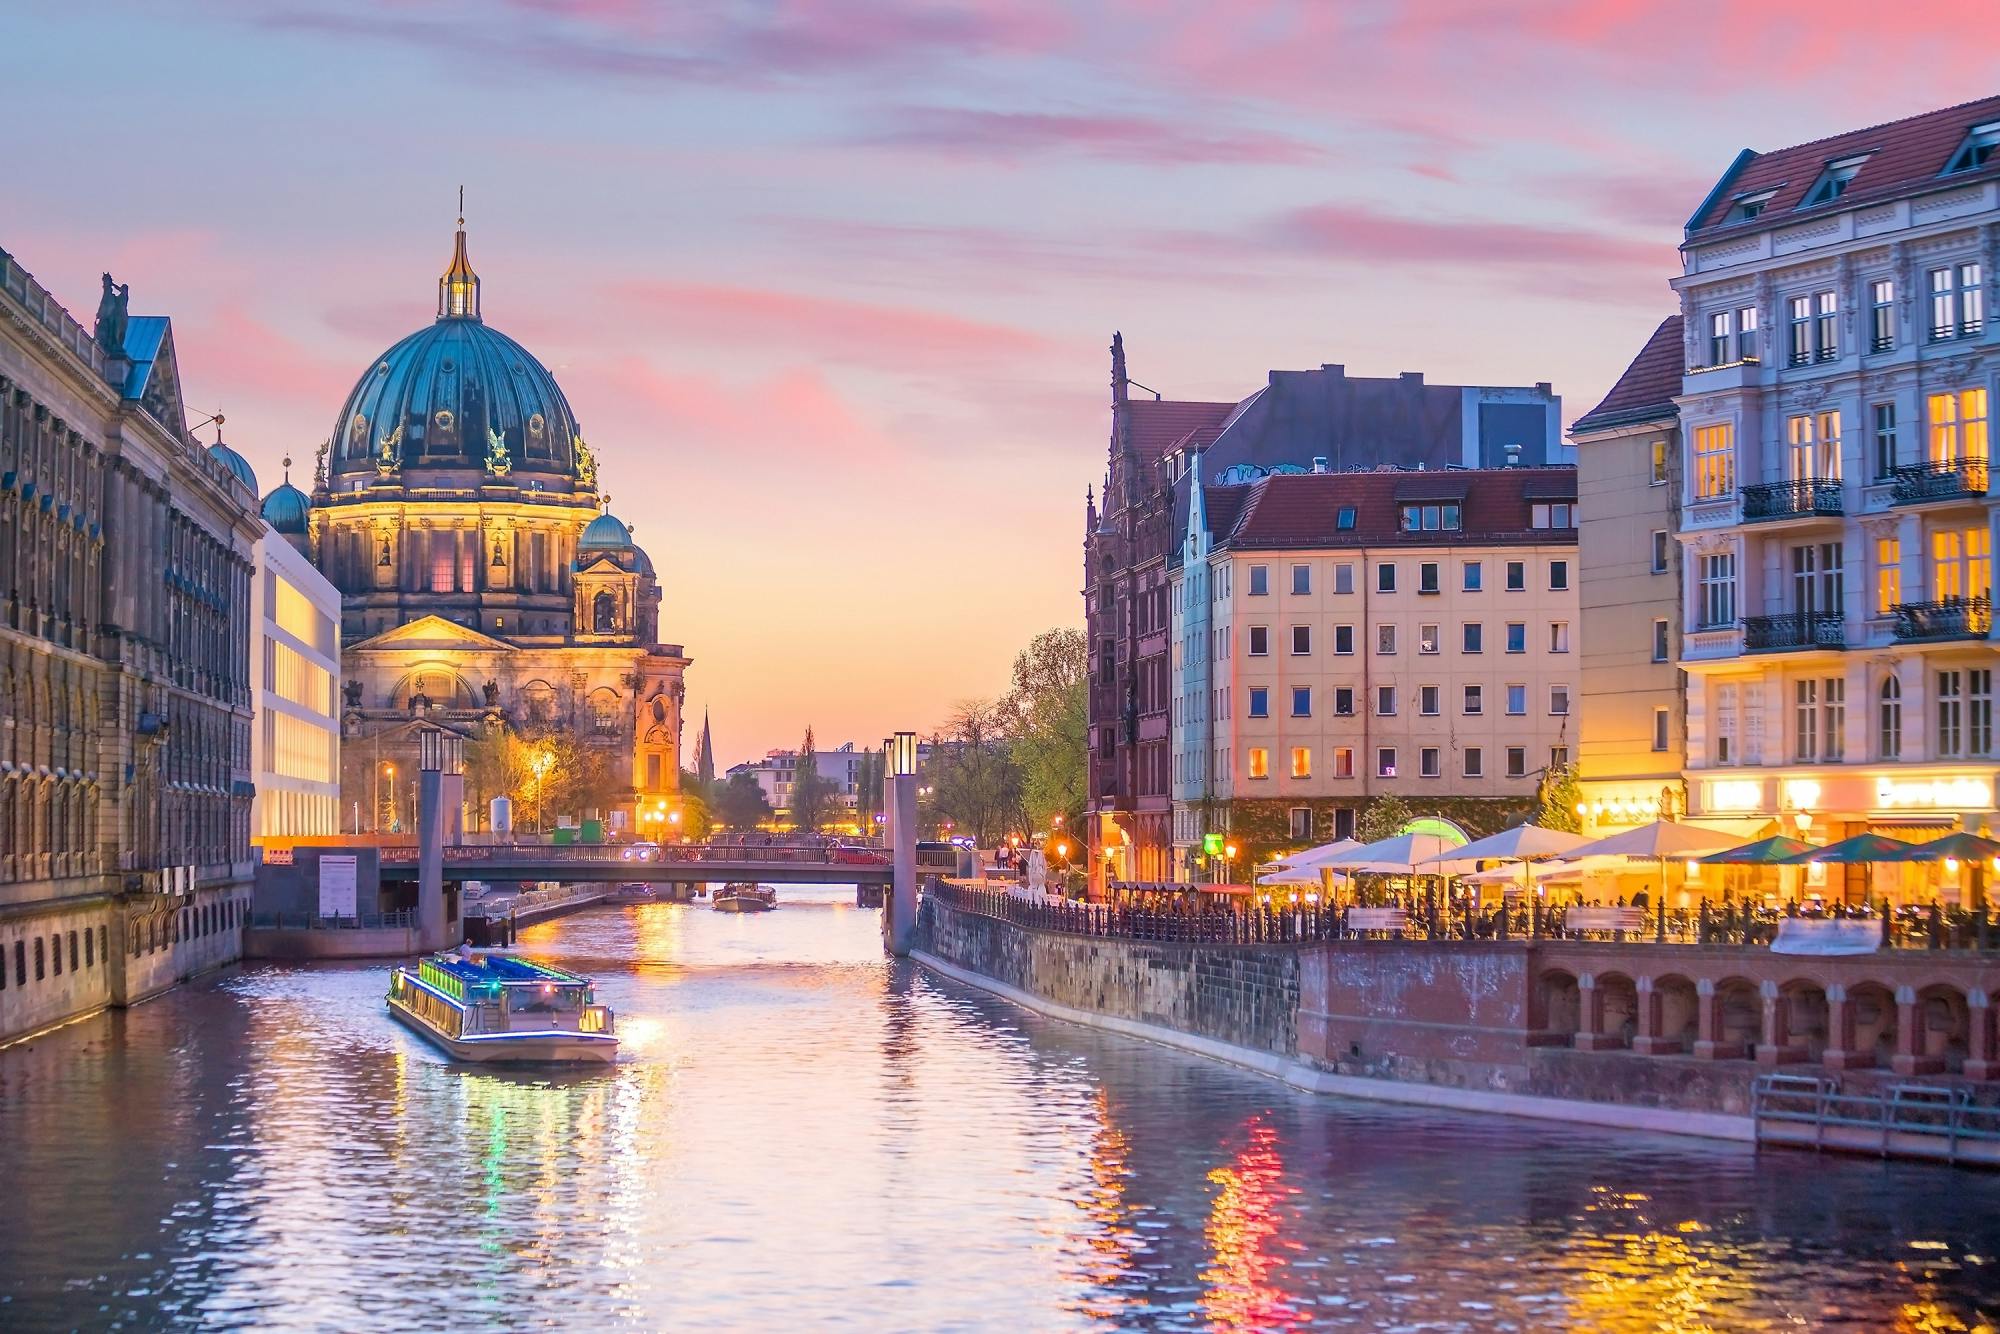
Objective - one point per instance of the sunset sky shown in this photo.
(829, 285)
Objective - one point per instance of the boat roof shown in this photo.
(488, 966)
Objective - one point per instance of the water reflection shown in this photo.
(799, 1134)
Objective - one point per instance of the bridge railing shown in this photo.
(637, 854)
(1208, 925)
(401, 919)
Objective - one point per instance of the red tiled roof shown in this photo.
(1301, 510)
(1647, 387)
(1223, 504)
(1160, 424)
(1904, 154)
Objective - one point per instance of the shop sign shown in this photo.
(1956, 794)
(1735, 794)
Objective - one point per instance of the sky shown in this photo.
(829, 286)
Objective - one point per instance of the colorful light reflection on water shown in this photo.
(801, 1134)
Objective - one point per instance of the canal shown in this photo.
(801, 1134)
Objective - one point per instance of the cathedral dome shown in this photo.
(454, 395)
(605, 532)
(236, 463)
(286, 509)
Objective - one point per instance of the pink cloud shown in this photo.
(979, 134)
(793, 413)
(1357, 233)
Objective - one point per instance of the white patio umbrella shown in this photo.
(1661, 841)
(1519, 846)
(1402, 853)
(1313, 857)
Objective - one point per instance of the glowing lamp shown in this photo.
(903, 754)
(1229, 851)
(1951, 864)
(1583, 808)
(1062, 849)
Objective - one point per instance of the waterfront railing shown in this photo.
(401, 919)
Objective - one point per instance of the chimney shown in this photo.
(1513, 456)
(1321, 463)
(1334, 368)
(1411, 377)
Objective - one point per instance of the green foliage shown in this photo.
(1383, 817)
(548, 774)
(975, 783)
(740, 803)
(1045, 713)
(812, 794)
(1556, 798)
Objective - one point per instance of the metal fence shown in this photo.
(402, 919)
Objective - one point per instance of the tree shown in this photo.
(1556, 797)
(740, 803)
(975, 784)
(812, 794)
(868, 772)
(548, 774)
(496, 765)
(1384, 818)
(1045, 712)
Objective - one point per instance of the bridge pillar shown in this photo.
(433, 924)
(899, 922)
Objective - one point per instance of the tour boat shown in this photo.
(745, 897)
(486, 1005)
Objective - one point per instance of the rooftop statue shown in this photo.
(111, 317)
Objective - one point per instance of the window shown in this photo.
(1724, 727)
(1801, 331)
(1826, 322)
(1343, 639)
(1385, 638)
(1517, 636)
(1344, 519)
(1882, 314)
(1978, 722)
(1558, 757)
(1343, 762)
(1517, 576)
(1260, 641)
(1343, 579)
(1805, 721)
(1302, 762)
(1958, 425)
(1819, 579)
(1833, 182)
(1958, 302)
(1746, 207)
(1950, 713)
(1385, 701)
(1517, 761)
(1961, 563)
(1260, 581)
(1430, 518)
(1517, 701)
(1343, 701)
(1888, 575)
(1302, 641)
(1430, 763)
(1717, 605)
(1475, 762)
(1885, 441)
(1661, 546)
(1385, 761)
(1557, 514)
(1833, 719)
(1259, 762)
(1721, 337)
(1475, 700)
(1260, 702)
(1558, 575)
(1660, 735)
(1662, 643)
(1558, 701)
(1889, 720)
(1715, 461)
(1659, 474)
(1385, 577)
(1427, 639)
(1977, 149)
(1814, 451)
(1302, 580)
(1746, 334)
(1427, 701)
(1300, 822)
(1470, 576)
(1302, 702)
(1558, 636)
(1427, 577)
(1471, 632)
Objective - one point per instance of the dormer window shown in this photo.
(1344, 519)
(1746, 207)
(1977, 150)
(1833, 182)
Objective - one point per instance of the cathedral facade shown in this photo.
(483, 579)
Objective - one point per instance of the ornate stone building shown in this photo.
(125, 566)
(483, 578)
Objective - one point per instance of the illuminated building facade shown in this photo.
(125, 572)
(295, 662)
(1837, 523)
(483, 578)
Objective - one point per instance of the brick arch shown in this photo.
(1805, 1017)
(1872, 1021)
(1558, 1004)
(1676, 1003)
(1944, 1025)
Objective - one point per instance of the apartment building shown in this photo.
(1837, 527)
(1339, 637)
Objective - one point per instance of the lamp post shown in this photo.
(388, 771)
(541, 765)
(899, 924)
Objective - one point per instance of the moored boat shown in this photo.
(743, 896)
(489, 1006)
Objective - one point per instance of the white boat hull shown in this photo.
(514, 1048)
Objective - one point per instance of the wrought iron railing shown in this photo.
(1946, 618)
(1939, 479)
(1802, 497)
(1794, 630)
(401, 919)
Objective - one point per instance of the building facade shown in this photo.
(1297, 421)
(1837, 523)
(125, 574)
(1631, 729)
(295, 662)
(1343, 637)
(484, 580)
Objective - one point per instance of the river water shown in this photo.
(802, 1135)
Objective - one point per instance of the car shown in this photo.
(640, 852)
(841, 854)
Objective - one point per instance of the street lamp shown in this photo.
(541, 765)
(388, 771)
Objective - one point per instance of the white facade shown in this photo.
(295, 668)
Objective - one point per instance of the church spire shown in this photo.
(458, 289)
(705, 755)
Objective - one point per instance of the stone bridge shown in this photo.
(666, 863)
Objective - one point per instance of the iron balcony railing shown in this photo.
(1946, 618)
(1794, 630)
(1801, 498)
(1939, 479)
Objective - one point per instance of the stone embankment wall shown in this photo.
(1243, 995)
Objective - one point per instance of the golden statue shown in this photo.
(497, 461)
(586, 464)
(386, 460)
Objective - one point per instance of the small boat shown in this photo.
(745, 897)
(488, 1005)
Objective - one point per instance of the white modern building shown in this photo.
(295, 670)
(1836, 522)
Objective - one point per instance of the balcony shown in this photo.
(1939, 479)
(1794, 630)
(1803, 498)
(1945, 619)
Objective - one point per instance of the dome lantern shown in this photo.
(458, 288)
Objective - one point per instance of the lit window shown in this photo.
(1259, 762)
(1888, 575)
(1659, 473)
(1343, 762)
(1958, 426)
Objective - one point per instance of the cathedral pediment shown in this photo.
(431, 634)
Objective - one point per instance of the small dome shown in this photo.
(286, 509)
(604, 533)
(236, 463)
